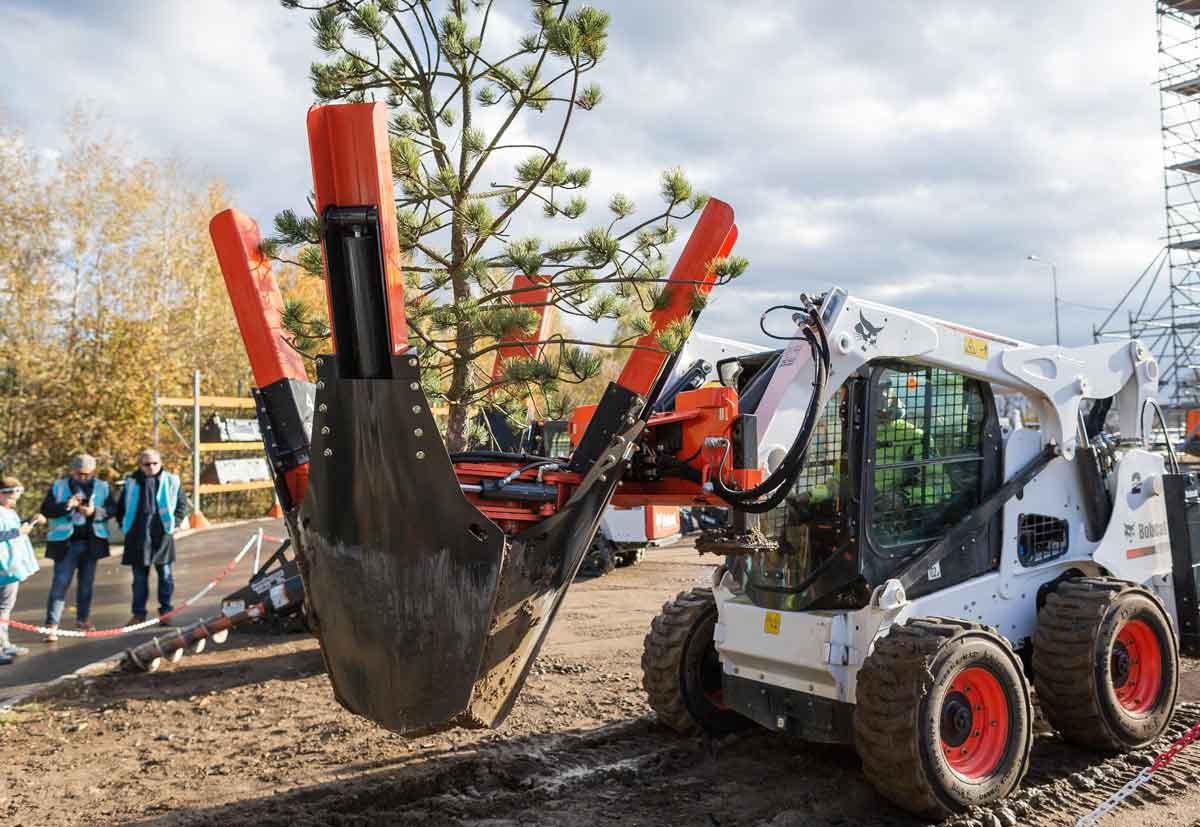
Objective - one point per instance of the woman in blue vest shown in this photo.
(151, 507)
(77, 507)
(17, 560)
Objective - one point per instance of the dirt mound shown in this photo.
(250, 733)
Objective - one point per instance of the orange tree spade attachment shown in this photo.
(432, 578)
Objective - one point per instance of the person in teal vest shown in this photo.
(152, 506)
(17, 560)
(77, 507)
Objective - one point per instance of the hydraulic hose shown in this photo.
(1162, 424)
(777, 485)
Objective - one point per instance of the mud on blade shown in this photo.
(428, 616)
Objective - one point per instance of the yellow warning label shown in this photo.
(771, 623)
(975, 347)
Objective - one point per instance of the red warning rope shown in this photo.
(255, 541)
(1164, 758)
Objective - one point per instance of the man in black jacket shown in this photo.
(152, 506)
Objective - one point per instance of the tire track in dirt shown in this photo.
(624, 771)
(1066, 782)
(486, 782)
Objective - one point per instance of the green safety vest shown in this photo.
(898, 441)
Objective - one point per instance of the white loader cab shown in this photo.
(909, 566)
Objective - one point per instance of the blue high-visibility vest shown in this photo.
(167, 499)
(61, 528)
(17, 560)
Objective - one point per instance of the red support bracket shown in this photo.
(712, 237)
(257, 303)
(352, 166)
(518, 344)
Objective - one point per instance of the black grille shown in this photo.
(1040, 538)
(819, 481)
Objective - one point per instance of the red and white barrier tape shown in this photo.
(255, 541)
(1141, 778)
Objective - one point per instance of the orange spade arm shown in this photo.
(713, 237)
(258, 306)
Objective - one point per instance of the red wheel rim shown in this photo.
(974, 724)
(1137, 666)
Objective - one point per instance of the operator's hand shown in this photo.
(38, 519)
(26, 528)
(87, 509)
(74, 501)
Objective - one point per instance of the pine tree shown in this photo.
(462, 189)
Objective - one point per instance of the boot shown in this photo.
(8, 649)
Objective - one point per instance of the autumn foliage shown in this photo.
(109, 291)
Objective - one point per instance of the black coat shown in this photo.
(162, 545)
(98, 546)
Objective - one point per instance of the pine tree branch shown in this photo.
(559, 339)
(518, 106)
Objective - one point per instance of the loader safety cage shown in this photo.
(922, 445)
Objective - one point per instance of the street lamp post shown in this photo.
(1054, 279)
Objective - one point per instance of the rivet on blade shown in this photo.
(328, 452)
(420, 455)
(416, 409)
(418, 432)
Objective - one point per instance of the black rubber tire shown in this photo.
(599, 561)
(630, 557)
(679, 662)
(897, 718)
(1073, 663)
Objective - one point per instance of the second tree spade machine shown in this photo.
(896, 580)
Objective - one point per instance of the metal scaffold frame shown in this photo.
(1167, 316)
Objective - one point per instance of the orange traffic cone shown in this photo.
(275, 511)
(197, 521)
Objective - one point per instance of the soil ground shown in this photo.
(249, 733)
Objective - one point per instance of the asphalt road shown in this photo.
(200, 557)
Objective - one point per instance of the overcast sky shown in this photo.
(913, 152)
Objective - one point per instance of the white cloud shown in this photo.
(914, 151)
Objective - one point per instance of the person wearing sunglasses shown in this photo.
(17, 560)
(153, 505)
(77, 507)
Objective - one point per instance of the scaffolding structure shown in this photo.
(1167, 314)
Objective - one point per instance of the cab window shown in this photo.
(927, 453)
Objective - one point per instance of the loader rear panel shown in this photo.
(1182, 495)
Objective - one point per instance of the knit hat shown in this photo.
(83, 462)
(10, 485)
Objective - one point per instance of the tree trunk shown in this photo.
(456, 428)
